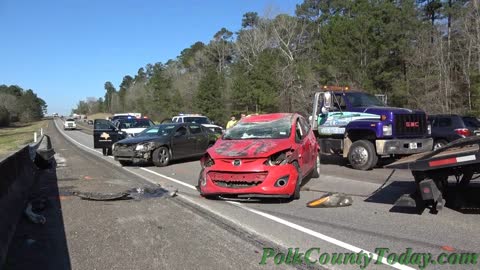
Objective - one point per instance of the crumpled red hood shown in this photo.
(248, 148)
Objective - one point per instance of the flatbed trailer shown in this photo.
(431, 170)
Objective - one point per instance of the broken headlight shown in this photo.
(145, 146)
(280, 158)
(207, 161)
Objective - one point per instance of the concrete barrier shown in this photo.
(17, 176)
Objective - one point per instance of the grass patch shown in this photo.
(19, 134)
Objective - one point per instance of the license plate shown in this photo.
(412, 145)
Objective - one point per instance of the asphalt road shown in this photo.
(370, 223)
(151, 233)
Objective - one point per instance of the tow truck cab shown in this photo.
(105, 134)
(362, 128)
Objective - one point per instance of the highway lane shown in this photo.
(367, 224)
(153, 233)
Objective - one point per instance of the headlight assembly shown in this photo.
(387, 130)
(208, 161)
(280, 158)
(145, 146)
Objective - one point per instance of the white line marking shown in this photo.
(466, 158)
(267, 216)
(170, 178)
(319, 235)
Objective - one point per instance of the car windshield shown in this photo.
(364, 100)
(471, 122)
(276, 129)
(197, 120)
(160, 131)
(135, 123)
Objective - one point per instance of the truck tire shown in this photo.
(362, 155)
(161, 156)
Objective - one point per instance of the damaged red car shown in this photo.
(263, 156)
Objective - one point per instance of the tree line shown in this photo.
(19, 105)
(422, 54)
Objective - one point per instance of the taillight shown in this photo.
(463, 132)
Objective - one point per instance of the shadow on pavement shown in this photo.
(37, 246)
(461, 199)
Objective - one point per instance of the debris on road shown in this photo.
(94, 196)
(35, 218)
(147, 193)
(135, 194)
(331, 200)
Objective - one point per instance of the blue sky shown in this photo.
(65, 50)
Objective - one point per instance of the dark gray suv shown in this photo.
(450, 127)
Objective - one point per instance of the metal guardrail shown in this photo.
(18, 174)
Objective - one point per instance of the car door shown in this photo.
(105, 134)
(303, 148)
(182, 144)
(199, 135)
(309, 142)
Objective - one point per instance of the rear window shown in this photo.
(70, 119)
(471, 122)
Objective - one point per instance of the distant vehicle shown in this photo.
(447, 128)
(133, 126)
(163, 143)
(261, 156)
(125, 115)
(69, 124)
(198, 119)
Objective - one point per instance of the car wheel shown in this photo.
(362, 155)
(439, 144)
(316, 167)
(298, 184)
(161, 157)
(125, 162)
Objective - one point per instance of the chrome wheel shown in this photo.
(318, 164)
(163, 156)
(360, 156)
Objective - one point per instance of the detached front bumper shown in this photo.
(261, 182)
(403, 146)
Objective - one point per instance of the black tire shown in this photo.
(439, 143)
(161, 157)
(316, 168)
(125, 162)
(298, 184)
(362, 155)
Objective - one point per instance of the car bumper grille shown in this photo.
(237, 180)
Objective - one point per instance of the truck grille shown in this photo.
(410, 125)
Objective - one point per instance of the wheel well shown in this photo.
(355, 135)
(163, 145)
